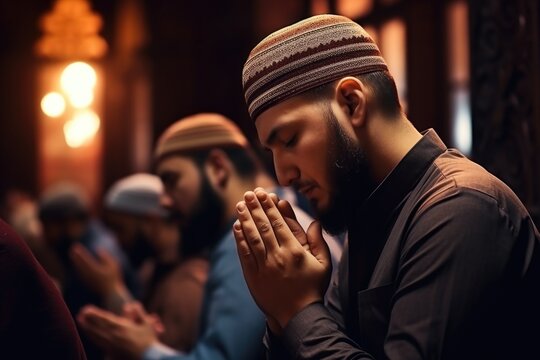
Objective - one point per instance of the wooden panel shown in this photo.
(505, 93)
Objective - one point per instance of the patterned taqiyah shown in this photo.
(305, 55)
(199, 132)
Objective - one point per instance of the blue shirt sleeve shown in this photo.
(232, 325)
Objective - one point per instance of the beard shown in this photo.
(140, 250)
(202, 229)
(350, 179)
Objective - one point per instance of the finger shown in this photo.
(98, 336)
(82, 259)
(286, 209)
(127, 311)
(98, 318)
(317, 244)
(106, 257)
(279, 225)
(96, 331)
(253, 202)
(137, 312)
(274, 197)
(251, 233)
(155, 322)
(289, 215)
(247, 258)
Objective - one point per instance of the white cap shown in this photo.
(137, 194)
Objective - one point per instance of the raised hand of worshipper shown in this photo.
(286, 269)
(125, 337)
(103, 275)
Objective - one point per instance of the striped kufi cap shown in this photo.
(300, 57)
(199, 132)
(137, 194)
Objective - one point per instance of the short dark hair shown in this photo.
(381, 83)
(243, 159)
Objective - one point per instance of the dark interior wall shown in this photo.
(193, 60)
(426, 66)
(19, 68)
(196, 53)
(18, 30)
(505, 93)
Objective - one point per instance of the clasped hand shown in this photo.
(122, 337)
(285, 268)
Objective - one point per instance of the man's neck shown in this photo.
(387, 143)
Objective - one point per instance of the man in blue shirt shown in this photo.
(205, 166)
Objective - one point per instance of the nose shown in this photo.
(286, 172)
(166, 201)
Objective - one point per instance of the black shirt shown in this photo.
(443, 263)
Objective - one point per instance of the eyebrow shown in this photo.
(272, 138)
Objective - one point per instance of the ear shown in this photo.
(218, 168)
(351, 95)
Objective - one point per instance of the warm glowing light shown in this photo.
(461, 121)
(81, 129)
(353, 8)
(78, 76)
(393, 44)
(81, 98)
(319, 7)
(53, 104)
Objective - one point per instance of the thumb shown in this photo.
(317, 244)
(135, 312)
(105, 257)
(82, 259)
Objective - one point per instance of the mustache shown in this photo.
(302, 184)
(177, 217)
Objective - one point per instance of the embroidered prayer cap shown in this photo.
(137, 194)
(199, 132)
(305, 55)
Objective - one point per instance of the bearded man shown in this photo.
(443, 260)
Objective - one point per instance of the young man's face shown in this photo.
(313, 153)
(182, 183)
(196, 203)
(295, 133)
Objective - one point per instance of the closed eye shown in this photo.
(169, 179)
(291, 142)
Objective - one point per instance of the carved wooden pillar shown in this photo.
(505, 93)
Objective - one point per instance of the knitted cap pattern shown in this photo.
(199, 132)
(305, 55)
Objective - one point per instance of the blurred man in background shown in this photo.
(173, 282)
(64, 211)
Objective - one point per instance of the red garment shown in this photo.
(34, 320)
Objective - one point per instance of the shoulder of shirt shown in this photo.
(453, 174)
